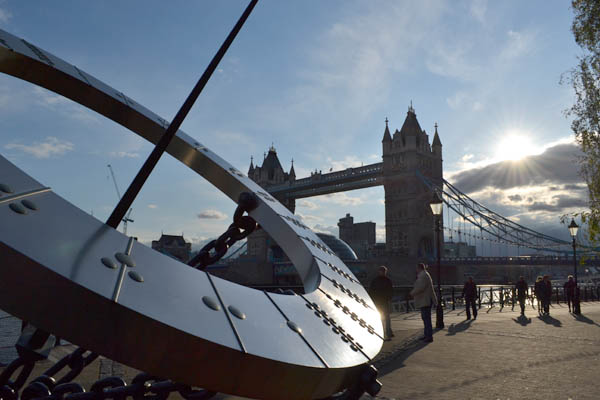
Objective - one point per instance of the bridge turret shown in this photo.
(251, 169)
(409, 222)
(387, 139)
(292, 173)
(436, 146)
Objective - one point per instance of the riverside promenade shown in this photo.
(497, 356)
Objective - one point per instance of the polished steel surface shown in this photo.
(178, 323)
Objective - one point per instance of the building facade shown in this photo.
(174, 246)
(360, 236)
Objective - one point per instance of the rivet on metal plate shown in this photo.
(29, 204)
(125, 259)
(135, 276)
(18, 208)
(108, 263)
(5, 188)
(211, 303)
(236, 312)
(293, 326)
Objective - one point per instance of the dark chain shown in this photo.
(242, 226)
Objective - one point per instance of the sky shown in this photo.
(316, 79)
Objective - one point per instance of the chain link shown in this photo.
(242, 226)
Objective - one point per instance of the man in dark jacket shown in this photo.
(521, 288)
(570, 291)
(470, 294)
(381, 291)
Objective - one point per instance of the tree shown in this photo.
(585, 80)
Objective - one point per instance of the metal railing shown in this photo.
(489, 296)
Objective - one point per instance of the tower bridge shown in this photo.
(410, 171)
(408, 219)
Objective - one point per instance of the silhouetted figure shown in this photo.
(381, 291)
(521, 288)
(470, 294)
(570, 291)
(424, 297)
(547, 291)
(538, 289)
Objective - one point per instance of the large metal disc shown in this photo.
(160, 315)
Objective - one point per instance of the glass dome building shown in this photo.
(338, 246)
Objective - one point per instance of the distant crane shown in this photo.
(126, 219)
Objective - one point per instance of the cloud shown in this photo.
(123, 154)
(63, 105)
(478, 10)
(555, 165)
(558, 204)
(308, 218)
(332, 230)
(51, 147)
(152, 206)
(4, 16)
(212, 214)
(307, 204)
(516, 197)
(341, 199)
(518, 43)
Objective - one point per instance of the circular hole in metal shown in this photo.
(109, 263)
(125, 259)
(236, 312)
(211, 303)
(135, 276)
(293, 326)
(5, 188)
(29, 204)
(18, 208)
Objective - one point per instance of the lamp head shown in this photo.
(436, 204)
(573, 228)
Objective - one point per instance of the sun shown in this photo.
(515, 146)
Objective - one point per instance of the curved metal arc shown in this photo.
(77, 270)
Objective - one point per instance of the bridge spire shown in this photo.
(386, 134)
(436, 138)
(251, 169)
(292, 172)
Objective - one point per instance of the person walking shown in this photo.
(424, 297)
(521, 288)
(547, 285)
(538, 291)
(569, 290)
(381, 291)
(469, 293)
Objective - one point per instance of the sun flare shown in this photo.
(515, 146)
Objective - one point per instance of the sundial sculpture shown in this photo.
(70, 274)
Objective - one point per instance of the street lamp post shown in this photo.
(436, 207)
(573, 230)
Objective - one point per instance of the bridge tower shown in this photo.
(409, 221)
(270, 173)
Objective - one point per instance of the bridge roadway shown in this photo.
(340, 181)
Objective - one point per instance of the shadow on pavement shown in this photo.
(585, 319)
(462, 326)
(522, 320)
(550, 321)
(398, 361)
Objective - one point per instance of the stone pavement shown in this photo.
(497, 356)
